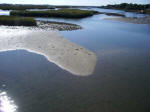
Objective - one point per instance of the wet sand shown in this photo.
(67, 55)
(132, 20)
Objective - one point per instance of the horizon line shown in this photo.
(70, 4)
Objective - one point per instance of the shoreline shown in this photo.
(145, 20)
(67, 55)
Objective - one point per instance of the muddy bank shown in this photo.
(61, 26)
(145, 20)
(48, 25)
(113, 14)
(67, 55)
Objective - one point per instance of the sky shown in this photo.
(75, 2)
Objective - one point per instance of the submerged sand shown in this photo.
(145, 20)
(55, 48)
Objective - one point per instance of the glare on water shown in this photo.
(6, 103)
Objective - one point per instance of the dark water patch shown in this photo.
(30, 79)
(119, 83)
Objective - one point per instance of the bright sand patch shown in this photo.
(55, 48)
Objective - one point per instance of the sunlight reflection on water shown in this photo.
(6, 103)
(4, 12)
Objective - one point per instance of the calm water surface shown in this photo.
(120, 82)
(127, 14)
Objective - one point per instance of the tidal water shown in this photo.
(120, 82)
(127, 14)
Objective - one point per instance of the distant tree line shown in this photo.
(130, 7)
(31, 6)
(24, 7)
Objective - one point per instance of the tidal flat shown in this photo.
(57, 49)
(31, 82)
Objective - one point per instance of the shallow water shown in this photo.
(120, 82)
(127, 14)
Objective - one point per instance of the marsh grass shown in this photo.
(24, 7)
(62, 13)
(17, 21)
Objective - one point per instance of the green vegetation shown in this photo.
(63, 13)
(131, 7)
(24, 7)
(17, 21)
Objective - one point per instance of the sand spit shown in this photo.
(145, 20)
(55, 48)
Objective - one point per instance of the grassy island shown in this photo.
(61, 13)
(17, 21)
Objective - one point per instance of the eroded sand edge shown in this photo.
(67, 55)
